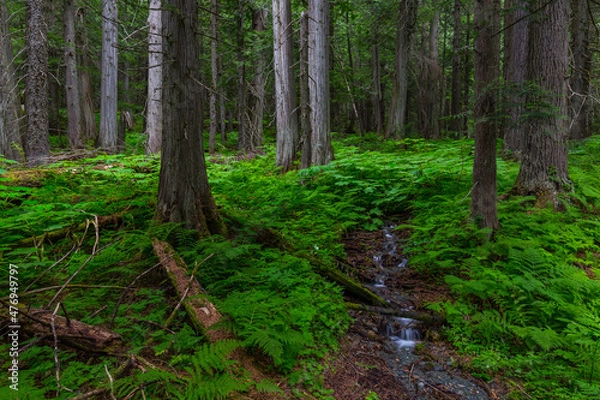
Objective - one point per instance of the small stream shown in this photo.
(403, 332)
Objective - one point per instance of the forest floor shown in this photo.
(370, 362)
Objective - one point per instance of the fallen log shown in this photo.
(203, 314)
(271, 238)
(73, 333)
(427, 318)
(109, 221)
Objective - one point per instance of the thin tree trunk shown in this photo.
(37, 145)
(214, 76)
(183, 193)
(11, 141)
(377, 95)
(318, 75)
(430, 75)
(579, 104)
(285, 85)
(259, 25)
(486, 71)
(154, 99)
(109, 129)
(456, 91)
(544, 171)
(515, 68)
(244, 141)
(74, 131)
(404, 33)
(88, 113)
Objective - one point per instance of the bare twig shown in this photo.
(56, 362)
(112, 320)
(111, 381)
(52, 266)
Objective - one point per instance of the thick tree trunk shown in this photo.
(154, 99)
(304, 94)
(579, 102)
(183, 194)
(11, 141)
(257, 98)
(37, 145)
(404, 33)
(515, 68)
(109, 129)
(285, 85)
(456, 102)
(487, 61)
(88, 112)
(74, 131)
(318, 80)
(544, 167)
(214, 77)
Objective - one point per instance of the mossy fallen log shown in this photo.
(426, 318)
(110, 221)
(202, 313)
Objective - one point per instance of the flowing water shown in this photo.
(401, 331)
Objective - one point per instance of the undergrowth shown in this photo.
(525, 303)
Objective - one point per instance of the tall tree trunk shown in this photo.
(544, 171)
(74, 131)
(486, 22)
(244, 140)
(579, 104)
(214, 77)
(318, 80)
(430, 75)
(304, 93)
(405, 29)
(259, 25)
(377, 93)
(184, 193)
(11, 141)
(88, 111)
(456, 102)
(285, 85)
(37, 145)
(108, 92)
(515, 68)
(154, 98)
(154, 89)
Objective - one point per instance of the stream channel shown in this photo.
(425, 371)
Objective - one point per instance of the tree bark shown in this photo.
(74, 131)
(154, 99)
(257, 98)
(214, 76)
(318, 75)
(88, 112)
(11, 141)
(544, 171)
(579, 102)
(486, 71)
(285, 85)
(515, 68)
(304, 94)
(109, 129)
(184, 193)
(37, 145)
(404, 33)
(456, 101)
(244, 140)
(430, 75)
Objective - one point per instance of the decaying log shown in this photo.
(73, 333)
(203, 314)
(271, 238)
(427, 318)
(52, 236)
